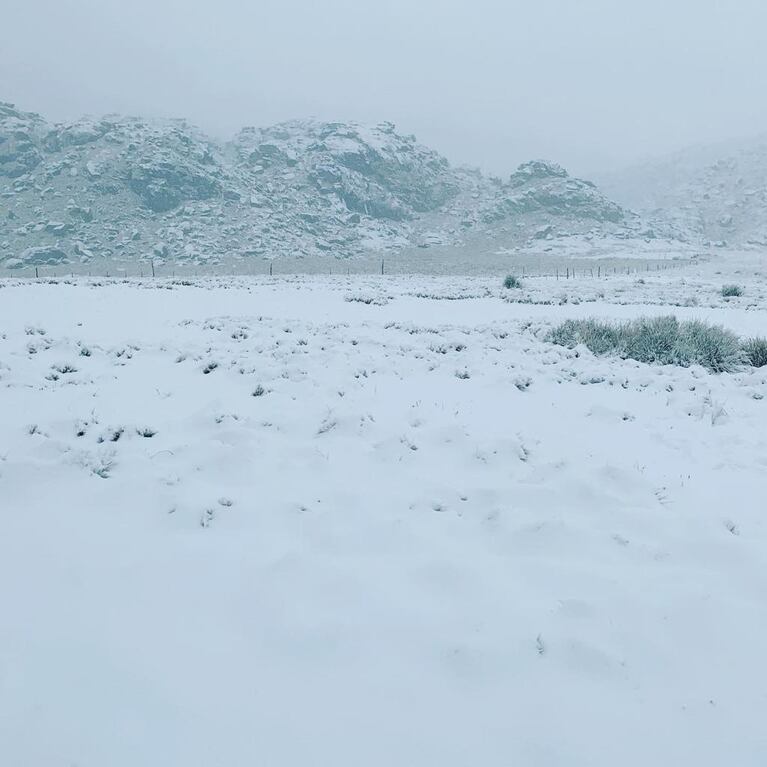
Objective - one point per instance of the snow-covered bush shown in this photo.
(712, 346)
(369, 299)
(661, 340)
(599, 337)
(756, 351)
(729, 291)
(512, 282)
(652, 340)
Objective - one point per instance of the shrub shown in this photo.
(659, 340)
(651, 340)
(755, 350)
(599, 337)
(370, 300)
(712, 346)
(728, 291)
(512, 282)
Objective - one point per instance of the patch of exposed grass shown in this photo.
(756, 351)
(656, 340)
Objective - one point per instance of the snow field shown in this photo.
(343, 521)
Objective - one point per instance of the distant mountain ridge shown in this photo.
(715, 194)
(129, 189)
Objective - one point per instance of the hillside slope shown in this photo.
(716, 194)
(128, 189)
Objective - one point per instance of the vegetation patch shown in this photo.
(756, 351)
(657, 340)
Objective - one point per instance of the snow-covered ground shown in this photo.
(377, 521)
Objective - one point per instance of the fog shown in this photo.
(593, 84)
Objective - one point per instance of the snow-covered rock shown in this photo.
(301, 189)
(21, 134)
(49, 254)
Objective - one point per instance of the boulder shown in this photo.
(47, 254)
(81, 213)
(163, 184)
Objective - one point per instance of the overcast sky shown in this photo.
(590, 83)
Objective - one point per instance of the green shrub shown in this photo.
(728, 291)
(599, 337)
(658, 340)
(712, 346)
(512, 282)
(756, 351)
(651, 340)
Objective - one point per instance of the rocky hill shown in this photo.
(127, 189)
(714, 194)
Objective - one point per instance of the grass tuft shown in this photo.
(756, 351)
(656, 340)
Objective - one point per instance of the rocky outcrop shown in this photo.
(372, 171)
(21, 134)
(47, 254)
(127, 189)
(546, 187)
(541, 191)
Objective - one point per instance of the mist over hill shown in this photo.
(130, 189)
(715, 194)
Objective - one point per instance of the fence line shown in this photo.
(145, 270)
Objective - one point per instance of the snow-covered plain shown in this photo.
(377, 521)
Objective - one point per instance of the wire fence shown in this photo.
(524, 267)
